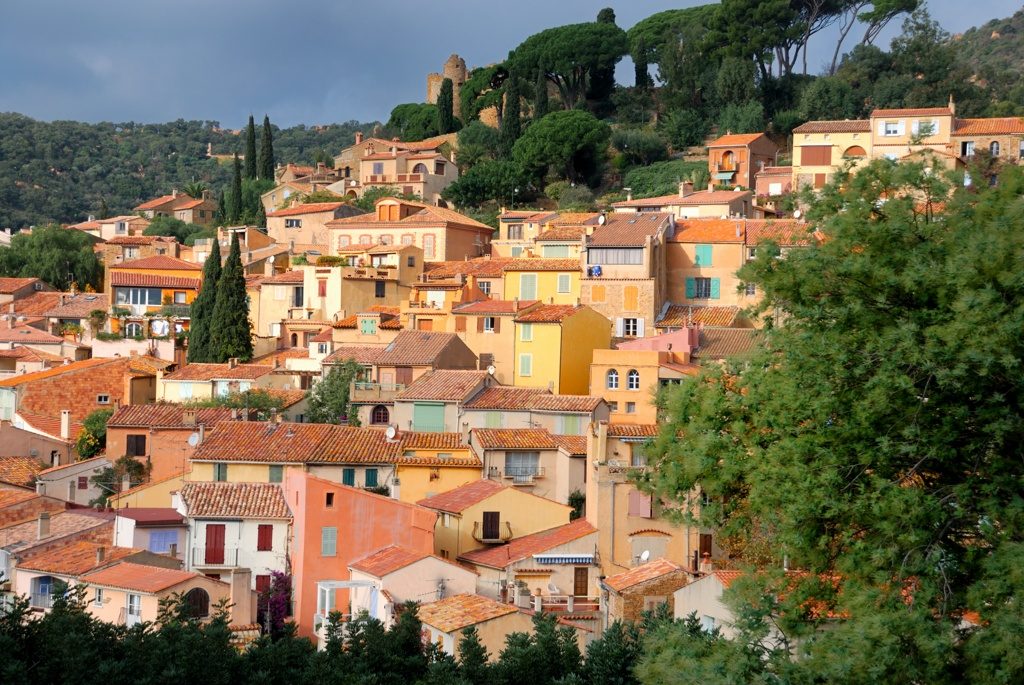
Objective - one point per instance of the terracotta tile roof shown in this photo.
(426, 216)
(719, 343)
(415, 348)
(683, 315)
(573, 404)
(461, 611)
(628, 229)
(15, 381)
(164, 416)
(517, 549)
(573, 218)
(131, 218)
(775, 171)
(189, 204)
(991, 127)
(632, 430)
(85, 225)
(235, 500)
(281, 355)
(280, 443)
(311, 208)
(153, 516)
(20, 471)
(325, 335)
(497, 307)
(784, 232)
(709, 231)
(443, 385)
(78, 306)
(363, 354)
(918, 112)
(432, 441)
(575, 445)
(289, 398)
(138, 239)
(157, 202)
(538, 264)
(136, 280)
(514, 439)
(700, 197)
(847, 126)
(63, 524)
(387, 560)
(481, 267)
(9, 497)
(727, 578)
(294, 277)
(27, 334)
(504, 397)
(161, 262)
(209, 372)
(95, 461)
(652, 570)
(50, 425)
(459, 499)
(74, 559)
(548, 313)
(12, 285)
(570, 233)
(735, 139)
(147, 579)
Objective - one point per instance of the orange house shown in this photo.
(335, 525)
(152, 285)
(735, 159)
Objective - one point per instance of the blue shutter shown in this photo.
(703, 255)
(716, 288)
(348, 476)
(370, 478)
(691, 288)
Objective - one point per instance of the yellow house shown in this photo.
(554, 281)
(820, 148)
(554, 344)
(154, 493)
(629, 379)
(152, 285)
(203, 381)
(488, 328)
(485, 512)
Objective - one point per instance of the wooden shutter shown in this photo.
(262, 584)
(691, 288)
(640, 326)
(497, 324)
(492, 525)
(264, 537)
(215, 543)
(620, 327)
(460, 324)
(716, 288)
(630, 297)
(479, 324)
(580, 581)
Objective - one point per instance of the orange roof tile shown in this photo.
(709, 231)
(443, 385)
(727, 578)
(157, 202)
(78, 306)
(12, 285)
(387, 560)
(148, 579)
(165, 416)
(136, 280)
(289, 398)
(632, 430)
(785, 232)
(363, 354)
(720, 343)
(461, 611)
(700, 197)
(683, 315)
(629, 229)
(575, 445)
(495, 307)
(63, 524)
(989, 127)
(735, 139)
(652, 570)
(504, 397)
(846, 126)
(577, 404)
(416, 348)
(483, 267)
(160, 262)
(74, 559)
(209, 372)
(517, 549)
(9, 497)
(514, 438)
(548, 313)
(918, 112)
(15, 381)
(235, 500)
(20, 471)
(569, 233)
(36, 304)
(27, 334)
(294, 277)
(459, 499)
(538, 264)
(311, 208)
(50, 425)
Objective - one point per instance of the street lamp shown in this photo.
(515, 190)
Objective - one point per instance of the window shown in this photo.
(526, 332)
(179, 297)
(611, 380)
(135, 605)
(703, 255)
(515, 232)
(633, 380)
(378, 168)
(329, 496)
(220, 472)
(344, 241)
(133, 329)
(366, 239)
(380, 415)
(967, 148)
(83, 482)
(891, 128)
(135, 446)
(275, 473)
(102, 399)
(517, 251)
(386, 239)
(630, 407)
(407, 239)
(750, 289)
(368, 326)
(131, 253)
(411, 259)
(629, 327)
(522, 466)
(494, 419)
(138, 296)
(439, 168)
(569, 424)
(321, 348)
(485, 287)
(564, 283)
(993, 149)
(184, 391)
(446, 520)
(488, 324)
(428, 417)
(293, 223)
(428, 247)
(370, 478)
(615, 255)
(262, 584)
(264, 537)
(613, 407)
(707, 623)
(379, 289)
(637, 457)
(321, 288)
(348, 477)
(527, 286)
(98, 600)
(328, 541)
(526, 365)
(703, 288)
(160, 541)
(554, 252)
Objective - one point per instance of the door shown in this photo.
(580, 581)
(403, 375)
(492, 525)
(215, 543)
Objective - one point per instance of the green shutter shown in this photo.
(371, 478)
(493, 419)
(703, 254)
(276, 474)
(570, 424)
(348, 476)
(716, 288)
(527, 286)
(691, 288)
(526, 365)
(428, 418)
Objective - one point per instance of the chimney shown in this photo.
(242, 606)
(232, 362)
(189, 417)
(515, 304)
(394, 151)
(126, 483)
(465, 432)
(685, 188)
(359, 137)
(43, 527)
(41, 487)
(65, 424)
(952, 105)
(101, 552)
(174, 193)
(62, 299)
(711, 186)
(172, 550)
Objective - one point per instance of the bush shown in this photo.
(684, 128)
(553, 191)
(745, 118)
(639, 147)
(576, 198)
(785, 121)
(661, 178)
(633, 106)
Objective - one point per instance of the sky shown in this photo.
(309, 62)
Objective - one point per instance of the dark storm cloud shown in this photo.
(313, 61)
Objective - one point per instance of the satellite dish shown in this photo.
(193, 440)
(645, 556)
(390, 433)
(491, 370)
(602, 219)
(270, 259)
(797, 214)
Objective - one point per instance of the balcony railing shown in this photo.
(410, 178)
(523, 475)
(375, 392)
(40, 600)
(491, 537)
(221, 557)
(574, 604)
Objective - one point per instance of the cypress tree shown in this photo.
(230, 330)
(641, 71)
(540, 96)
(234, 210)
(250, 150)
(446, 107)
(201, 311)
(511, 126)
(221, 216)
(265, 170)
(261, 215)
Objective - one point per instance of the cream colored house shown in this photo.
(445, 620)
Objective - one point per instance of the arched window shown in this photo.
(633, 380)
(612, 380)
(295, 339)
(365, 239)
(855, 151)
(420, 168)
(380, 415)
(344, 241)
(386, 240)
(133, 329)
(728, 161)
(993, 149)
(197, 603)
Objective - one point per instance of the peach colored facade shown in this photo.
(736, 159)
(114, 605)
(629, 380)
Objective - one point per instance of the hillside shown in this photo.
(62, 170)
(995, 53)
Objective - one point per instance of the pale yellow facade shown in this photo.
(557, 355)
(550, 287)
(152, 494)
(114, 605)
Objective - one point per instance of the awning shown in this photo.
(564, 558)
(724, 175)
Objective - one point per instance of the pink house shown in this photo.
(335, 525)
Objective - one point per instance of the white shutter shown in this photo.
(901, 128)
(639, 328)
(619, 327)
(881, 128)
(915, 127)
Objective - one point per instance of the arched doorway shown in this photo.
(197, 603)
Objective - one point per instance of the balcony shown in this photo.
(377, 179)
(383, 273)
(492, 537)
(566, 604)
(214, 557)
(41, 600)
(410, 178)
(523, 475)
(364, 392)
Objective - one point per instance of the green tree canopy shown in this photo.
(568, 144)
(414, 121)
(171, 227)
(234, 199)
(477, 142)
(445, 106)
(92, 439)
(55, 255)
(250, 150)
(482, 90)
(201, 309)
(329, 398)
(230, 328)
(488, 181)
(829, 98)
(265, 166)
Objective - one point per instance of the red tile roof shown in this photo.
(629, 229)
(153, 516)
(575, 445)
(311, 208)
(9, 497)
(27, 334)
(12, 285)
(989, 127)
(632, 430)
(20, 471)
(517, 549)
(63, 524)
(568, 233)
(573, 404)
(504, 397)
(416, 348)
(387, 560)
(709, 231)
(293, 277)
(538, 264)
(652, 570)
(727, 578)
(426, 216)
(363, 354)
(785, 232)
(78, 306)
(700, 197)
(136, 280)
(497, 307)
(484, 267)
(847, 126)
(209, 372)
(720, 343)
(514, 438)
(235, 500)
(735, 139)
(461, 611)
(683, 315)
(74, 559)
(50, 425)
(443, 385)
(157, 202)
(165, 416)
(161, 262)
(138, 239)
(548, 313)
(15, 381)
(918, 112)
(147, 579)
(461, 498)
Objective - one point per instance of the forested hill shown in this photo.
(995, 51)
(63, 170)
